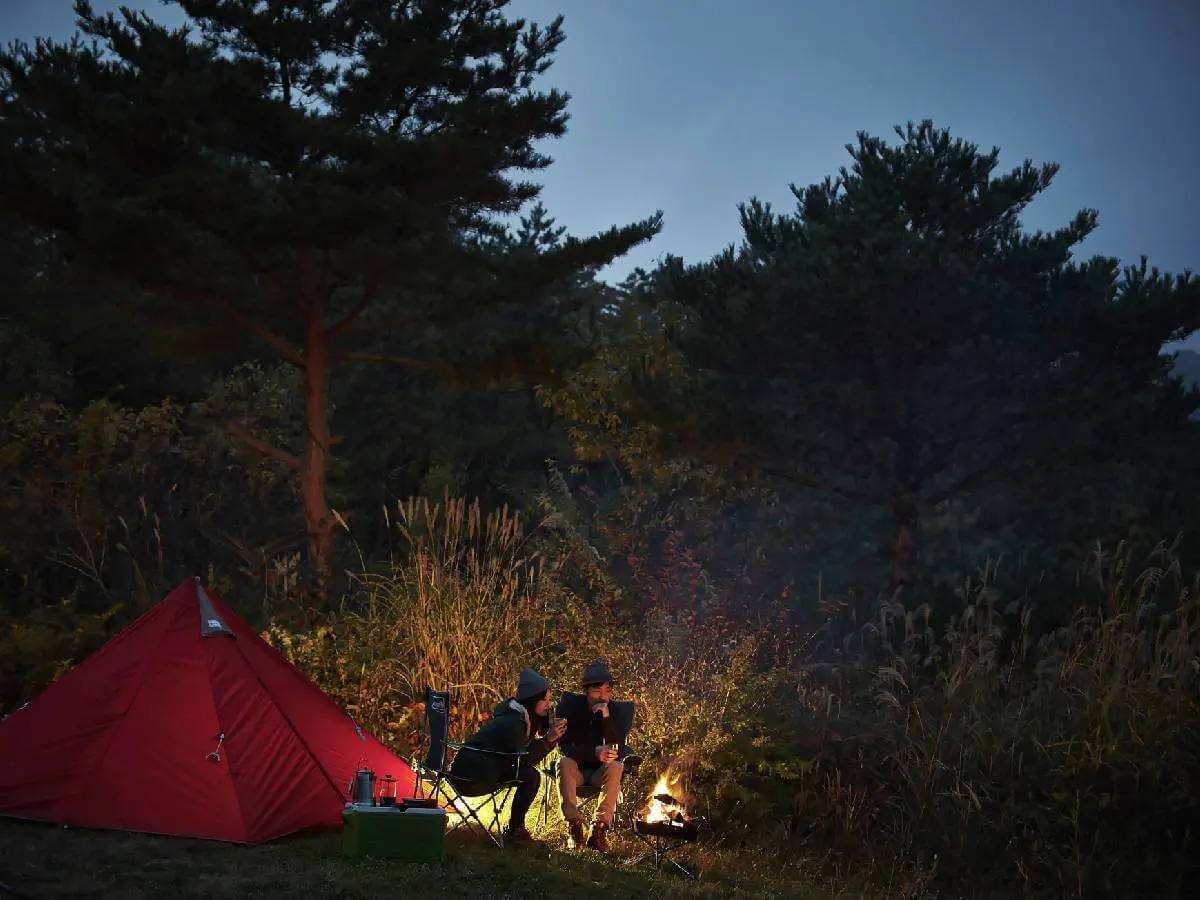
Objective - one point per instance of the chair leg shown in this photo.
(456, 805)
(456, 802)
(471, 820)
(497, 808)
(418, 771)
(585, 804)
(548, 772)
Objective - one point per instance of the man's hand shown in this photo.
(601, 708)
(606, 754)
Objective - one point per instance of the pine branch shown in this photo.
(411, 362)
(370, 290)
(258, 267)
(244, 321)
(286, 350)
(391, 324)
(239, 432)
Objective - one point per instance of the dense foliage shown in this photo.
(335, 211)
(883, 516)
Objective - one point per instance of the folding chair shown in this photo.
(456, 791)
(589, 794)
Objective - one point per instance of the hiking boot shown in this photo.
(575, 836)
(599, 839)
(519, 836)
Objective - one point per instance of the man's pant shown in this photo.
(571, 778)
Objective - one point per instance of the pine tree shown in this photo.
(901, 339)
(313, 173)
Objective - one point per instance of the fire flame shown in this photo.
(664, 803)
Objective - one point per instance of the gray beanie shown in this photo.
(531, 684)
(597, 673)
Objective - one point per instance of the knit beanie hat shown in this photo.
(531, 685)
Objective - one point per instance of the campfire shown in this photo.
(664, 823)
(665, 813)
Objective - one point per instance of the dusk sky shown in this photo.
(692, 106)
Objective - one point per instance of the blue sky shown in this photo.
(692, 106)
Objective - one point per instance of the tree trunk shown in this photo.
(906, 515)
(318, 518)
(906, 525)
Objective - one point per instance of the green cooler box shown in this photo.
(414, 835)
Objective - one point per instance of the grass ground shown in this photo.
(42, 861)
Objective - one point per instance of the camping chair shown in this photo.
(588, 795)
(456, 792)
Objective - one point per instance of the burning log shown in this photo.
(665, 813)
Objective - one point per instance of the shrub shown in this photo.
(1068, 763)
(468, 602)
(463, 608)
(965, 752)
(38, 647)
(708, 685)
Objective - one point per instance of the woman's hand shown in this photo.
(558, 728)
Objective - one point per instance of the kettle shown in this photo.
(362, 788)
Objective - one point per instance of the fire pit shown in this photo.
(665, 826)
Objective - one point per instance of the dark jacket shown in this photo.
(507, 731)
(587, 730)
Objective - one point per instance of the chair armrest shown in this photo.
(469, 749)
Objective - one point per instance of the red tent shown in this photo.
(186, 723)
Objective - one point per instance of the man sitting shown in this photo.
(593, 749)
(520, 723)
